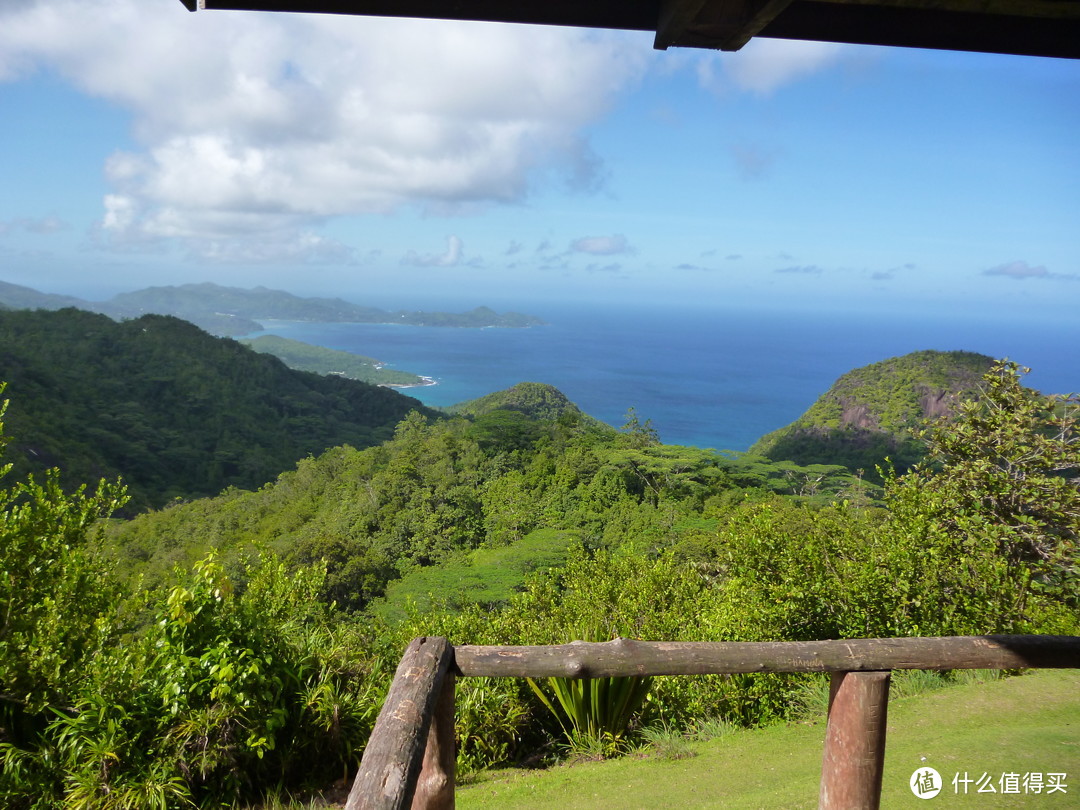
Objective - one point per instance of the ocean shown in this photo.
(708, 378)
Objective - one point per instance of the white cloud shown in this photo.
(1021, 270)
(255, 123)
(764, 65)
(452, 257)
(299, 248)
(41, 226)
(604, 268)
(119, 212)
(753, 161)
(601, 245)
(1018, 270)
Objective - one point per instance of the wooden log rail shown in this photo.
(409, 760)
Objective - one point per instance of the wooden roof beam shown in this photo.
(727, 24)
(632, 15)
(674, 18)
(919, 27)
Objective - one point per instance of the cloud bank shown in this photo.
(601, 245)
(452, 256)
(764, 65)
(257, 128)
(35, 225)
(1021, 270)
(257, 123)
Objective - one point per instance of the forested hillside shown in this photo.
(442, 488)
(232, 648)
(872, 413)
(174, 411)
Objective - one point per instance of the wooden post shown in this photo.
(392, 760)
(854, 757)
(435, 787)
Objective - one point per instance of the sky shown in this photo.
(424, 163)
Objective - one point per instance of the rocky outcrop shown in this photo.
(869, 414)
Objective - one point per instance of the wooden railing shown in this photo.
(409, 760)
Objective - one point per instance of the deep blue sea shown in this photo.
(718, 379)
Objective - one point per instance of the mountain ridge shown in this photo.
(175, 411)
(234, 311)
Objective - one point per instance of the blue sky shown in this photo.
(418, 163)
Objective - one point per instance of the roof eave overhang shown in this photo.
(1027, 27)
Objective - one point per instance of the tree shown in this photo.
(1002, 481)
(639, 434)
(55, 595)
(57, 615)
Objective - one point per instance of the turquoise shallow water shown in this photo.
(710, 378)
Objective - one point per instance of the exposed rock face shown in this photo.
(870, 413)
(934, 403)
(937, 404)
(857, 415)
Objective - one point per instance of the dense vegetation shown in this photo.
(175, 411)
(235, 311)
(221, 694)
(206, 653)
(446, 487)
(320, 360)
(871, 414)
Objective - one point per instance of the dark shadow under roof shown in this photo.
(1029, 27)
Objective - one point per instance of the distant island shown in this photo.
(234, 311)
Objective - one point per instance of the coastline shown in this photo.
(425, 381)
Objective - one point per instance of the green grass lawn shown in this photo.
(1028, 724)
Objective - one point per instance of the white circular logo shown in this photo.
(925, 783)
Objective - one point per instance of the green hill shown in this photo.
(435, 491)
(868, 414)
(15, 296)
(175, 411)
(535, 400)
(516, 417)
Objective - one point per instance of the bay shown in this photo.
(707, 377)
